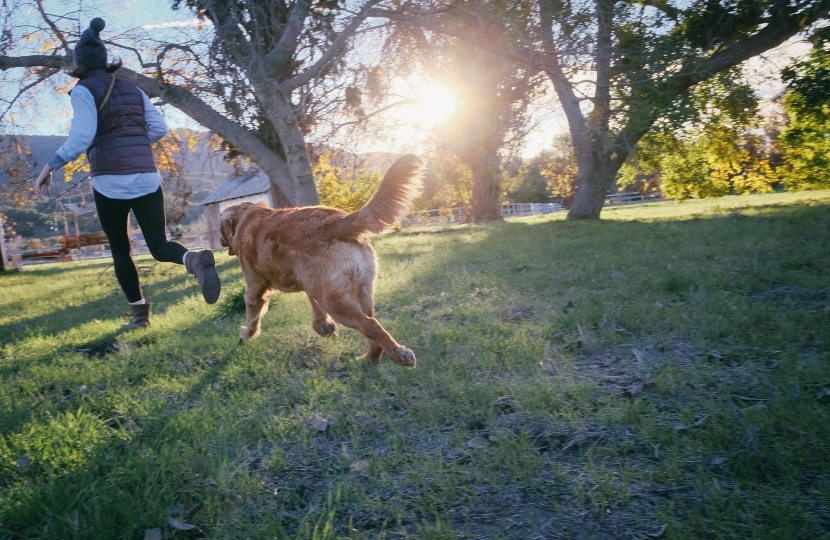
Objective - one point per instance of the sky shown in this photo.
(50, 114)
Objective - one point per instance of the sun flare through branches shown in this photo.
(433, 105)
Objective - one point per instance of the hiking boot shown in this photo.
(141, 316)
(202, 265)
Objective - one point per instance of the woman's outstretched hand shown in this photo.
(43, 184)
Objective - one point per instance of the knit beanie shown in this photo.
(90, 52)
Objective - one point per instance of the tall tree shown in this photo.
(248, 77)
(806, 138)
(716, 152)
(492, 94)
(461, 45)
(618, 66)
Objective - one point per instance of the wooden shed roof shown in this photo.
(241, 186)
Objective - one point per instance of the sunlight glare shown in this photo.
(434, 105)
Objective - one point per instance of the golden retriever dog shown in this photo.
(324, 252)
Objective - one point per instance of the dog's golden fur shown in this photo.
(324, 252)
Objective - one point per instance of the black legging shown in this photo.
(149, 211)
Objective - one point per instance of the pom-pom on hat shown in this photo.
(90, 52)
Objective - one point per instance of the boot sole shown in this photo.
(211, 286)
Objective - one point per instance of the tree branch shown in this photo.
(331, 53)
(188, 103)
(228, 33)
(43, 77)
(376, 112)
(282, 52)
(549, 62)
(134, 51)
(772, 35)
(601, 113)
(54, 28)
(645, 111)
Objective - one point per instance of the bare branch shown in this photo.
(365, 117)
(171, 46)
(134, 51)
(549, 63)
(287, 44)
(36, 60)
(331, 53)
(47, 73)
(188, 103)
(54, 28)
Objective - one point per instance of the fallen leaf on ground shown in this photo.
(699, 421)
(152, 534)
(319, 423)
(634, 389)
(506, 404)
(718, 460)
(478, 443)
(638, 354)
(176, 524)
(658, 533)
(359, 466)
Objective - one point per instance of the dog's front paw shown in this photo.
(403, 357)
(246, 334)
(325, 327)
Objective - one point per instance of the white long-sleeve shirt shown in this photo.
(82, 133)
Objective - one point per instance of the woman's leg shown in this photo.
(149, 211)
(114, 214)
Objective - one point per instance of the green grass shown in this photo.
(657, 374)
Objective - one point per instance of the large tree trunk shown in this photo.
(597, 172)
(486, 188)
(593, 182)
(293, 143)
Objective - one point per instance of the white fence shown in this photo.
(424, 218)
(456, 215)
(139, 247)
(631, 198)
(529, 209)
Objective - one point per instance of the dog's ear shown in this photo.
(228, 220)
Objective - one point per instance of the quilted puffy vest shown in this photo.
(121, 145)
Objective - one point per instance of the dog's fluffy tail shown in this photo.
(399, 187)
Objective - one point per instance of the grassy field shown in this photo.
(660, 374)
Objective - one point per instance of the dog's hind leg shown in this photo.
(373, 353)
(321, 323)
(367, 304)
(348, 312)
(255, 308)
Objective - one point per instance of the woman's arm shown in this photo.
(82, 132)
(156, 126)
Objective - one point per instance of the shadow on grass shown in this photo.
(529, 258)
(108, 306)
(135, 463)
